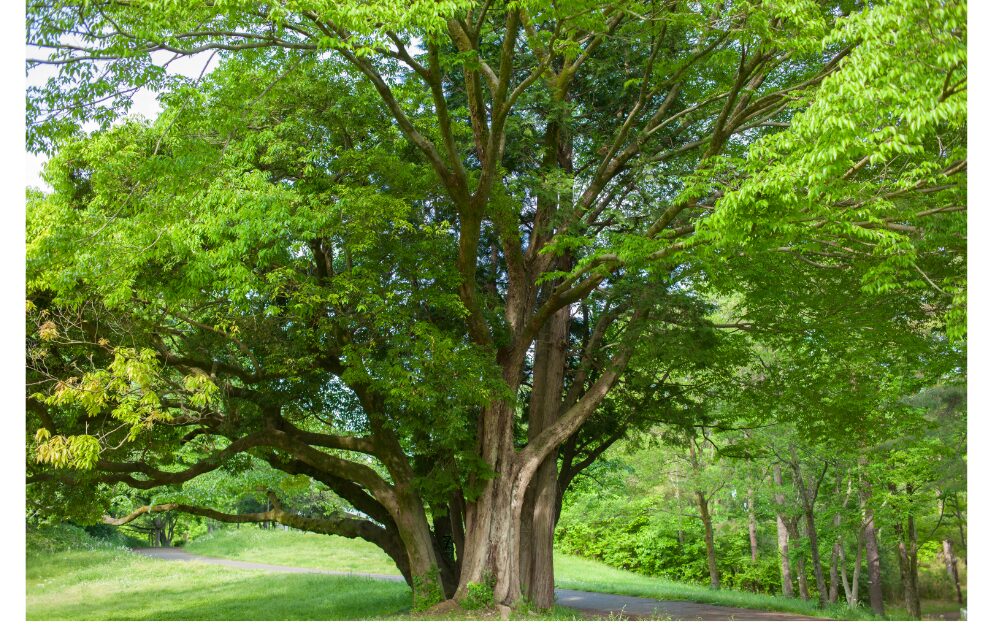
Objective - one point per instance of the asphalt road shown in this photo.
(601, 604)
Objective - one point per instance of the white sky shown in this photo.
(144, 103)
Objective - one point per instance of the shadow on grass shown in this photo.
(113, 585)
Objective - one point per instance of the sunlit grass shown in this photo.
(582, 574)
(99, 581)
(326, 552)
(295, 549)
(115, 584)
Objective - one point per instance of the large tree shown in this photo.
(409, 248)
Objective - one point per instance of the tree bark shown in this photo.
(492, 525)
(855, 595)
(783, 536)
(800, 562)
(752, 526)
(951, 564)
(874, 569)
(850, 588)
(834, 566)
(538, 518)
(786, 567)
(706, 521)
(908, 565)
(808, 501)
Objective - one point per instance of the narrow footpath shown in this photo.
(601, 604)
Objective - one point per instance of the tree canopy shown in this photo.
(439, 256)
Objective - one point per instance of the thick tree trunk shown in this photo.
(492, 521)
(752, 526)
(540, 509)
(538, 576)
(421, 552)
(951, 564)
(491, 544)
(538, 517)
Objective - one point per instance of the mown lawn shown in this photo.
(582, 574)
(70, 576)
(299, 549)
(295, 549)
(99, 581)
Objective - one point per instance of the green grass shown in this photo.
(72, 576)
(100, 581)
(582, 574)
(325, 552)
(294, 549)
(521, 613)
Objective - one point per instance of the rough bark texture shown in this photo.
(538, 518)
(492, 525)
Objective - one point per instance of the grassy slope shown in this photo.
(295, 549)
(100, 581)
(573, 572)
(313, 550)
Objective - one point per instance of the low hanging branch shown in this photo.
(349, 527)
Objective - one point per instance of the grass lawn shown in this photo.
(100, 581)
(299, 549)
(70, 576)
(582, 574)
(295, 549)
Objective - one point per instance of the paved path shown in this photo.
(598, 604)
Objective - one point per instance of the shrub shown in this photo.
(478, 595)
(64, 537)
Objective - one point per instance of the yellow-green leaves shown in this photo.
(74, 452)
(203, 390)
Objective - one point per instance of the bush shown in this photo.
(67, 537)
(639, 536)
(479, 595)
